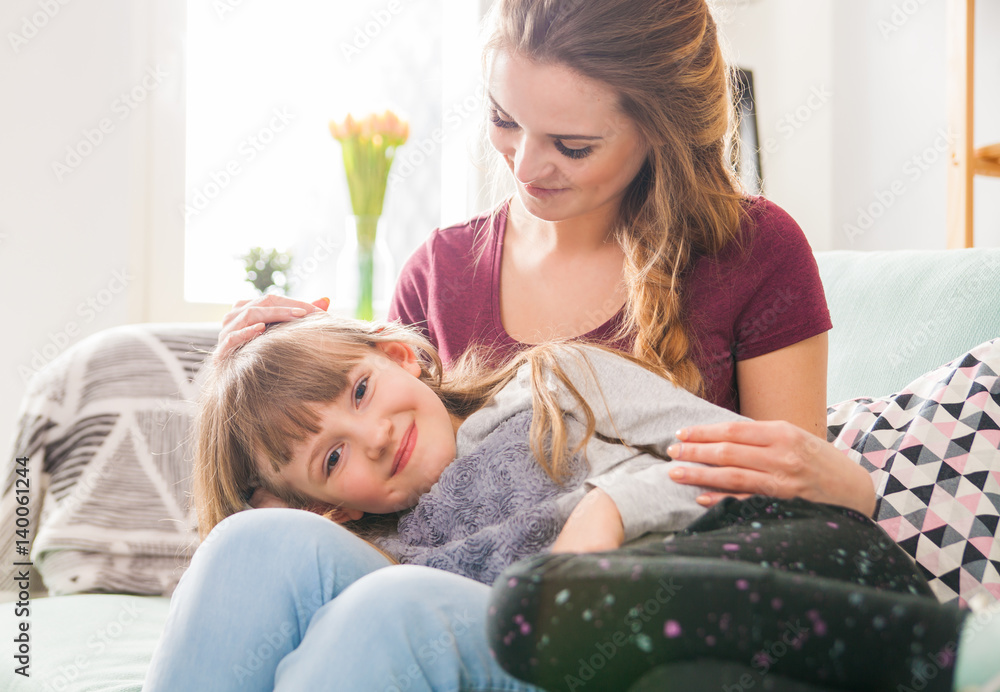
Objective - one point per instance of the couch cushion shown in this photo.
(86, 643)
(106, 430)
(932, 452)
(899, 314)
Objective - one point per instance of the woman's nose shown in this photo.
(531, 162)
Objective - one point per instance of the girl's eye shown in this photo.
(573, 153)
(359, 391)
(500, 122)
(332, 460)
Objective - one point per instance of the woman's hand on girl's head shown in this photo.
(248, 318)
(772, 458)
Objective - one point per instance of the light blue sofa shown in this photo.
(896, 315)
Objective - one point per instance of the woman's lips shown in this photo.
(406, 446)
(542, 192)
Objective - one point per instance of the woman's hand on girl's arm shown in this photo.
(248, 318)
(594, 525)
(772, 458)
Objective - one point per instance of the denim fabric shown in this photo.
(283, 599)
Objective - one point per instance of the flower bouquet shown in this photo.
(368, 146)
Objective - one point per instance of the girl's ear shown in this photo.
(402, 354)
(341, 515)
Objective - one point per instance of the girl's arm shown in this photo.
(783, 452)
(594, 525)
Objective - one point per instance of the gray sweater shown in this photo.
(494, 504)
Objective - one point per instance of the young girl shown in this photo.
(564, 449)
(357, 420)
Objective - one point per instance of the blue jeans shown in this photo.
(284, 599)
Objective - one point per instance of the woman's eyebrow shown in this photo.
(589, 138)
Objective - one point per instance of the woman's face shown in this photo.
(382, 443)
(570, 149)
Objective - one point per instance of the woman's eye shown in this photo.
(573, 153)
(332, 460)
(562, 148)
(359, 391)
(500, 122)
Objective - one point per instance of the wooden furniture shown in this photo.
(965, 161)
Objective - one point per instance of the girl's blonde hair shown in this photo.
(664, 60)
(260, 400)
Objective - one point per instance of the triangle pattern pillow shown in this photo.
(932, 451)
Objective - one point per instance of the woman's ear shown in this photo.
(402, 355)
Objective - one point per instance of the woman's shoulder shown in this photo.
(449, 250)
(766, 221)
(768, 236)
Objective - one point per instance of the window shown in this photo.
(261, 169)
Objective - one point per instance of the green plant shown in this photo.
(267, 269)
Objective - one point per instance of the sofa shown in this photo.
(102, 456)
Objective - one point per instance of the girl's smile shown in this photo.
(405, 449)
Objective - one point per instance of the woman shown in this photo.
(635, 235)
(612, 119)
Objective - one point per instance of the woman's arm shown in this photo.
(788, 384)
(783, 452)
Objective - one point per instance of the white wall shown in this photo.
(852, 100)
(793, 77)
(62, 242)
(65, 242)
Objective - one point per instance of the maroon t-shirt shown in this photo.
(756, 296)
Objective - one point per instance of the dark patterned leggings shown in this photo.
(760, 594)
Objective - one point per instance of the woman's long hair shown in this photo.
(260, 400)
(664, 60)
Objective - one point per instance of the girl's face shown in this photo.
(569, 148)
(383, 442)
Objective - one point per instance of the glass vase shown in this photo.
(366, 271)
